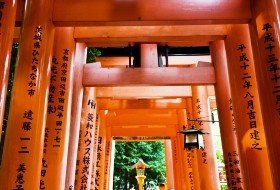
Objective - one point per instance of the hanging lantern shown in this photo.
(193, 138)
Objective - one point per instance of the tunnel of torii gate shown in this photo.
(64, 113)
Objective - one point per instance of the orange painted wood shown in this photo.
(144, 130)
(23, 149)
(95, 150)
(76, 107)
(20, 12)
(7, 20)
(246, 106)
(143, 12)
(107, 160)
(143, 92)
(16, 35)
(173, 61)
(226, 117)
(169, 164)
(192, 162)
(112, 160)
(101, 147)
(149, 55)
(58, 112)
(185, 169)
(95, 32)
(207, 164)
(265, 13)
(161, 40)
(113, 104)
(148, 117)
(86, 140)
(176, 164)
(147, 76)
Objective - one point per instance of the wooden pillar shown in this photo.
(7, 22)
(149, 56)
(192, 161)
(95, 150)
(100, 162)
(86, 140)
(184, 155)
(22, 156)
(55, 152)
(246, 106)
(176, 165)
(169, 164)
(207, 165)
(265, 38)
(107, 163)
(111, 169)
(226, 118)
(77, 98)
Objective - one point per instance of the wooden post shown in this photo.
(185, 168)
(192, 161)
(77, 97)
(107, 163)
(100, 162)
(246, 106)
(176, 165)
(55, 152)
(207, 164)
(265, 42)
(111, 167)
(7, 22)
(21, 165)
(169, 164)
(95, 150)
(226, 118)
(149, 55)
(86, 140)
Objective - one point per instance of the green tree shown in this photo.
(128, 153)
(92, 53)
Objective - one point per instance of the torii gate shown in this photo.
(244, 44)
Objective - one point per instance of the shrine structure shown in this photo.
(65, 114)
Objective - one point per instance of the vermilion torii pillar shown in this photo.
(207, 164)
(77, 98)
(95, 150)
(265, 37)
(246, 106)
(176, 164)
(192, 161)
(226, 118)
(184, 155)
(54, 160)
(107, 160)
(169, 164)
(23, 149)
(7, 22)
(100, 159)
(86, 140)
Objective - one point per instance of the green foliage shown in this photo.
(224, 187)
(92, 53)
(220, 157)
(128, 153)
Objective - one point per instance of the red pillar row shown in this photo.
(22, 156)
